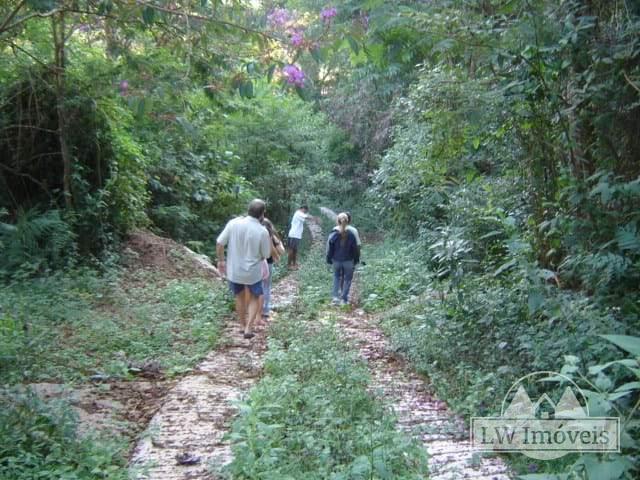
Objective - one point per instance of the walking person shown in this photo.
(295, 235)
(353, 230)
(343, 254)
(277, 250)
(248, 244)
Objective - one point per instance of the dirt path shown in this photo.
(443, 434)
(197, 412)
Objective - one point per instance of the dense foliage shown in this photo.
(43, 439)
(123, 115)
(511, 170)
(496, 141)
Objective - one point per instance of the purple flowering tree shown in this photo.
(294, 75)
(278, 18)
(297, 38)
(328, 14)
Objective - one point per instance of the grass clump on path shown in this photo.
(311, 416)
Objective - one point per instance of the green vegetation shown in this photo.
(39, 440)
(475, 336)
(311, 415)
(68, 327)
(493, 143)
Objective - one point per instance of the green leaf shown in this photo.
(302, 93)
(246, 89)
(42, 5)
(628, 387)
(148, 15)
(627, 362)
(535, 302)
(381, 469)
(625, 342)
(571, 359)
(494, 233)
(317, 54)
(353, 44)
(270, 72)
(105, 7)
(375, 53)
(505, 266)
(186, 125)
(628, 238)
(607, 470)
(361, 466)
(444, 45)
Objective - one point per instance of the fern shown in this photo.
(36, 241)
(628, 238)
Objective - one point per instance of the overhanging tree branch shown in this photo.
(6, 28)
(12, 15)
(25, 175)
(28, 54)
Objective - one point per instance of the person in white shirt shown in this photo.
(295, 235)
(248, 244)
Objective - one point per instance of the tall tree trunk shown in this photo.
(58, 29)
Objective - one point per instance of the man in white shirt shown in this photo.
(295, 235)
(248, 244)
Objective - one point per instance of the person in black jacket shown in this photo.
(343, 254)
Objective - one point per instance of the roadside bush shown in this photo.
(41, 440)
(36, 243)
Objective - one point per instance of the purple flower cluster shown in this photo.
(328, 13)
(297, 38)
(295, 76)
(279, 17)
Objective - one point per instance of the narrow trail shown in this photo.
(419, 413)
(444, 435)
(197, 412)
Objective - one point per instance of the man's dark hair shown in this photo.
(256, 208)
(304, 207)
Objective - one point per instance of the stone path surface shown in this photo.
(419, 412)
(197, 412)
